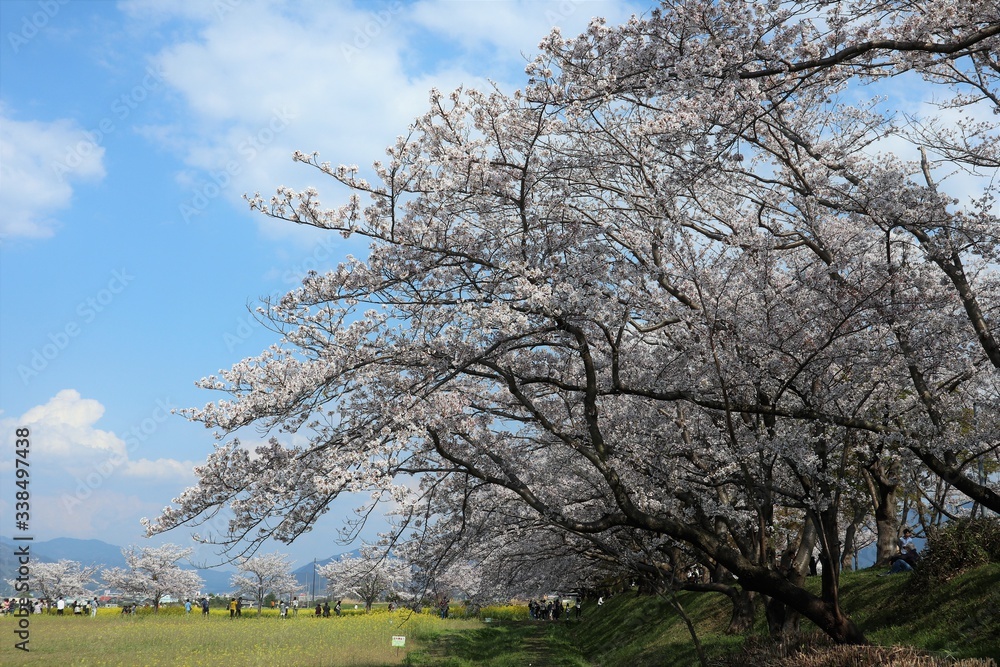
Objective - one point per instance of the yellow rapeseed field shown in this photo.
(179, 640)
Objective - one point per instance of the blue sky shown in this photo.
(129, 132)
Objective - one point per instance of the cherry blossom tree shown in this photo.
(674, 290)
(65, 579)
(260, 575)
(498, 549)
(154, 572)
(365, 579)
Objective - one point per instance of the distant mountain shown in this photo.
(8, 565)
(86, 552)
(315, 584)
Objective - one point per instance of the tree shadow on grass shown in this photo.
(512, 644)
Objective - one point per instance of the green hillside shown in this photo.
(945, 622)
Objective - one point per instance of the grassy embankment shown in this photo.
(954, 620)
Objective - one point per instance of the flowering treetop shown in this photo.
(674, 284)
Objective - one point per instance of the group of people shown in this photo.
(283, 607)
(236, 607)
(11, 605)
(323, 610)
(202, 604)
(63, 607)
(553, 610)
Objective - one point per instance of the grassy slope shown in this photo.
(645, 631)
(960, 618)
(957, 619)
(511, 644)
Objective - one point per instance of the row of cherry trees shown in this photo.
(155, 572)
(149, 573)
(697, 294)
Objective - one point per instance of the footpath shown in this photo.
(521, 643)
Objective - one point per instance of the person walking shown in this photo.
(232, 608)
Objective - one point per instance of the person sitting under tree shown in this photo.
(907, 557)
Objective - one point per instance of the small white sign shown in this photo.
(398, 641)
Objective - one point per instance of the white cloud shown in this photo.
(64, 438)
(512, 30)
(63, 429)
(38, 162)
(82, 480)
(261, 83)
(162, 469)
(263, 79)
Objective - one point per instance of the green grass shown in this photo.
(629, 630)
(957, 619)
(645, 631)
(514, 644)
(960, 618)
(190, 641)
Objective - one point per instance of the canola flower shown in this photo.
(179, 640)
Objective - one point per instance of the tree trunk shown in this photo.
(744, 603)
(765, 579)
(783, 622)
(848, 559)
(885, 483)
(744, 611)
